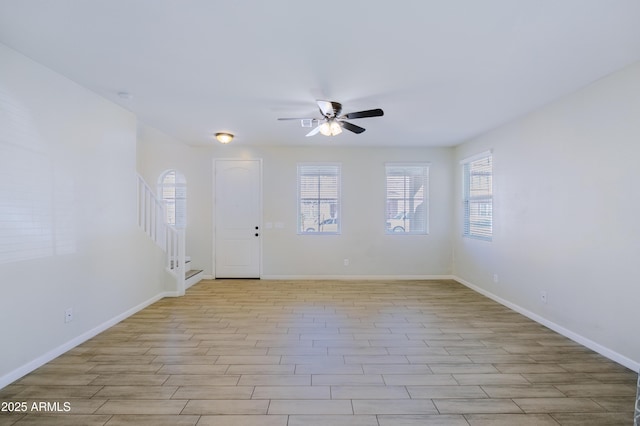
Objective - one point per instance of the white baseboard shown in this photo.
(604, 351)
(356, 277)
(54, 353)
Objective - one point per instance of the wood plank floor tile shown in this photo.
(130, 379)
(422, 420)
(522, 391)
(213, 392)
(511, 420)
(347, 379)
(152, 420)
(593, 419)
(226, 406)
(476, 406)
(36, 379)
(262, 369)
(243, 420)
(158, 406)
(440, 391)
(136, 392)
(310, 406)
(419, 379)
(369, 392)
(275, 380)
(393, 406)
(62, 420)
(557, 405)
(291, 392)
(333, 420)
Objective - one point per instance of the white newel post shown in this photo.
(182, 259)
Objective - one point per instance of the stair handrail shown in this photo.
(152, 220)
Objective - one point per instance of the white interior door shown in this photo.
(237, 218)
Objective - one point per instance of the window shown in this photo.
(173, 192)
(318, 198)
(407, 198)
(478, 196)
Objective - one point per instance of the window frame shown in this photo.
(471, 228)
(303, 225)
(425, 197)
(179, 203)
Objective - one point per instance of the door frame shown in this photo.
(213, 211)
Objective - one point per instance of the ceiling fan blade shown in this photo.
(314, 131)
(329, 109)
(337, 108)
(352, 127)
(364, 114)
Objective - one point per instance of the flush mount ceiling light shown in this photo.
(224, 137)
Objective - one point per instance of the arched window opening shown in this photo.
(173, 191)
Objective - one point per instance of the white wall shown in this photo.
(285, 254)
(566, 208)
(363, 241)
(68, 232)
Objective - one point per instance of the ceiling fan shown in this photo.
(332, 122)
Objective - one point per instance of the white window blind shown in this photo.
(173, 191)
(407, 188)
(478, 197)
(318, 198)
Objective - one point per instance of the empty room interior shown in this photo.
(289, 213)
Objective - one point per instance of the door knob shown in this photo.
(257, 234)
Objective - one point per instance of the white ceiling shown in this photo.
(442, 70)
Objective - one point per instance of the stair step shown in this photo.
(191, 272)
(186, 262)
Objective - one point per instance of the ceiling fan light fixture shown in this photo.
(330, 128)
(224, 137)
(325, 129)
(336, 128)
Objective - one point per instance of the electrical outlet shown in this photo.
(543, 297)
(68, 315)
(346, 262)
(495, 278)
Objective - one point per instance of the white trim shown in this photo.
(602, 350)
(477, 156)
(65, 347)
(357, 277)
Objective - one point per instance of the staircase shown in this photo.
(191, 276)
(151, 219)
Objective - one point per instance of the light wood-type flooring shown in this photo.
(331, 353)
